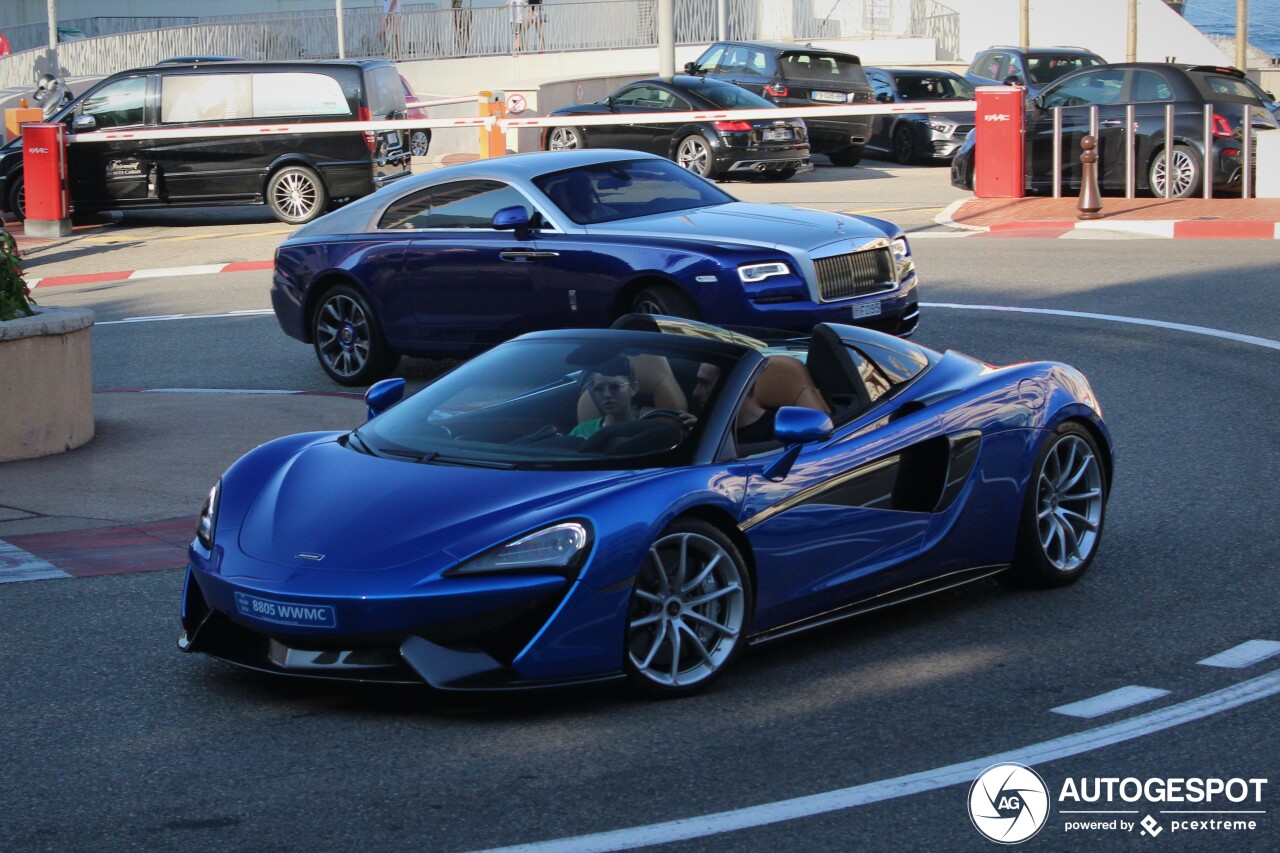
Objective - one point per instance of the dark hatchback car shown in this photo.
(775, 149)
(915, 137)
(298, 175)
(1149, 87)
(792, 75)
(1033, 67)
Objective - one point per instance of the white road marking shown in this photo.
(17, 565)
(1245, 654)
(201, 269)
(964, 773)
(1113, 318)
(257, 312)
(1125, 697)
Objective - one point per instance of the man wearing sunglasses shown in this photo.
(613, 387)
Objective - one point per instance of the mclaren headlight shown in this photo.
(207, 524)
(901, 257)
(558, 547)
(753, 273)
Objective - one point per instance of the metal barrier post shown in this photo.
(1057, 152)
(1130, 154)
(1246, 155)
(1168, 150)
(1208, 151)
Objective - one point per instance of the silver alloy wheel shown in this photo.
(1069, 503)
(562, 139)
(295, 195)
(694, 155)
(1184, 174)
(342, 335)
(419, 143)
(687, 612)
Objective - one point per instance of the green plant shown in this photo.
(15, 296)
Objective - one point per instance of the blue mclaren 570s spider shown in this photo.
(642, 503)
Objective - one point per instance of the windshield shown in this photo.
(556, 404)
(1045, 68)
(934, 88)
(606, 192)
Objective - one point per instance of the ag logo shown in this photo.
(1008, 803)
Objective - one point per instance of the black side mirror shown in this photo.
(691, 68)
(884, 98)
(1013, 80)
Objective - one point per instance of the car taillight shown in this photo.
(731, 126)
(778, 91)
(1221, 127)
(370, 138)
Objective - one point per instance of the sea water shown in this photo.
(1218, 18)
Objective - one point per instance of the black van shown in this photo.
(298, 175)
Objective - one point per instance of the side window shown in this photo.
(633, 97)
(1095, 87)
(298, 93)
(990, 66)
(709, 60)
(880, 85)
(664, 100)
(205, 97)
(877, 383)
(118, 104)
(735, 61)
(1149, 86)
(760, 62)
(461, 204)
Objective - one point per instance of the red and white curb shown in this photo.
(1179, 229)
(133, 275)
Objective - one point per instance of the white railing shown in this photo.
(423, 32)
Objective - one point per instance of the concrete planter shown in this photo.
(46, 387)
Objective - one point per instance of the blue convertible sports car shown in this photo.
(642, 502)
(456, 260)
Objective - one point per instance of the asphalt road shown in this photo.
(115, 741)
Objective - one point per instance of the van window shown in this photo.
(117, 104)
(386, 91)
(295, 93)
(205, 97)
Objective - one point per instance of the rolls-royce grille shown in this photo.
(855, 274)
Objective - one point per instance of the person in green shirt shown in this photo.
(613, 387)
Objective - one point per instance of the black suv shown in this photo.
(297, 175)
(1033, 67)
(1149, 87)
(791, 75)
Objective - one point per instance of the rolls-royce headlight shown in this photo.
(207, 524)
(753, 273)
(555, 547)
(901, 256)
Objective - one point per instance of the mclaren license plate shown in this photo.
(833, 97)
(866, 309)
(286, 613)
(779, 135)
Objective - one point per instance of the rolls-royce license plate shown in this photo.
(866, 309)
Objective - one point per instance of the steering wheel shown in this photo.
(684, 420)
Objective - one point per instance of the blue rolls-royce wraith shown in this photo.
(455, 261)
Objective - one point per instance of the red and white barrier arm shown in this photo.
(741, 115)
(540, 121)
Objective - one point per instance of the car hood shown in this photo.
(773, 226)
(348, 511)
